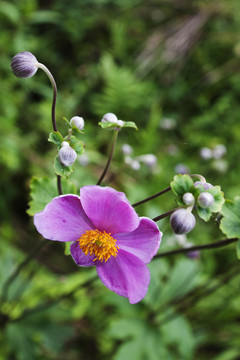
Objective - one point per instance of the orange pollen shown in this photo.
(98, 243)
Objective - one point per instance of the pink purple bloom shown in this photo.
(106, 232)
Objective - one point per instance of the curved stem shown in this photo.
(109, 158)
(54, 124)
(168, 213)
(200, 177)
(151, 197)
(214, 245)
(19, 268)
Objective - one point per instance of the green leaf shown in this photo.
(230, 223)
(43, 190)
(56, 138)
(130, 124)
(60, 169)
(77, 145)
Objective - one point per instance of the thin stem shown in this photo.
(51, 78)
(19, 268)
(162, 216)
(214, 245)
(151, 197)
(48, 304)
(54, 124)
(109, 158)
(200, 177)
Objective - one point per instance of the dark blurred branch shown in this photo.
(109, 158)
(212, 245)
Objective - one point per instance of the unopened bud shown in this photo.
(110, 117)
(205, 200)
(182, 221)
(64, 144)
(77, 122)
(188, 198)
(24, 64)
(135, 165)
(205, 185)
(67, 155)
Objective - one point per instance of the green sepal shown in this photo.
(66, 121)
(43, 190)
(67, 248)
(130, 124)
(181, 184)
(115, 126)
(238, 249)
(205, 213)
(77, 145)
(60, 169)
(108, 125)
(230, 223)
(56, 138)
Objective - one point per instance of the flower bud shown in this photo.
(205, 185)
(64, 144)
(67, 155)
(188, 198)
(110, 117)
(135, 165)
(182, 221)
(24, 64)
(77, 122)
(205, 200)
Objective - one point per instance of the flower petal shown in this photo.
(143, 242)
(126, 275)
(63, 219)
(108, 209)
(79, 257)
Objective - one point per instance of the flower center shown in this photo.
(98, 243)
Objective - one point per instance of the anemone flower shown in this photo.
(106, 232)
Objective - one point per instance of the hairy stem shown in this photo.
(54, 124)
(109, 158)
(162, 216)
(151, 197)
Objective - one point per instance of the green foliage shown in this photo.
(56, 138)
(230, 223)
(43, 190)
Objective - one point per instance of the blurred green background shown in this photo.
(173, 67)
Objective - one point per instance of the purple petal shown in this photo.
(126, 275)
(143, 242)
(108, 209)
(79, 257)
(63, 219)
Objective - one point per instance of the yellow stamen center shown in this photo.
(98, 243)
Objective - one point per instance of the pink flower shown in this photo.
(106, 232)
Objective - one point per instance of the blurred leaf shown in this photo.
(130, 124)
(43, 190)
(10, 11)
(230, 223)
